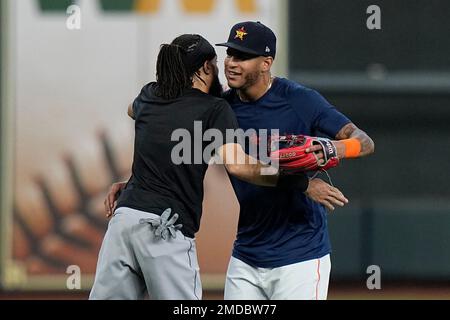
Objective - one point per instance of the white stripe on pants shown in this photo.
(306, 280)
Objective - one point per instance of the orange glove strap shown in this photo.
(352, 148)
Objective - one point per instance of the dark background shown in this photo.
(399, 215)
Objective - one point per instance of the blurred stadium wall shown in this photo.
(65, 135)
(395, 84)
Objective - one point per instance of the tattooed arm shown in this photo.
(350, 131)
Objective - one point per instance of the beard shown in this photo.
(249, 80)
(216, 89)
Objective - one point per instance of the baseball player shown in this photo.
(282, 249)
(149, 245)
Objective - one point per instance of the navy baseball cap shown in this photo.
(253, 38)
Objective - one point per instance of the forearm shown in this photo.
(350, 131)
(267, 176)
(255, 172)
(251, 170)
(247, 168)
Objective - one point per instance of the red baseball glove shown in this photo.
(290, 151)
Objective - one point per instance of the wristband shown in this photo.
(352, 147)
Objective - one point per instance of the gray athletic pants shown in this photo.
(132, 260)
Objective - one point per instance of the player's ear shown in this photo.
(207, 67)
(267, 64)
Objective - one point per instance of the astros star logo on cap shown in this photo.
(241, 33)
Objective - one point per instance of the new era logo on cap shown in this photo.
(252, 38)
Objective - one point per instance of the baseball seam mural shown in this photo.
(72, 136)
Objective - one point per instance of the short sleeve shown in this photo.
(135, 107)
(138, 102)
(222, 118)
(316, 112)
